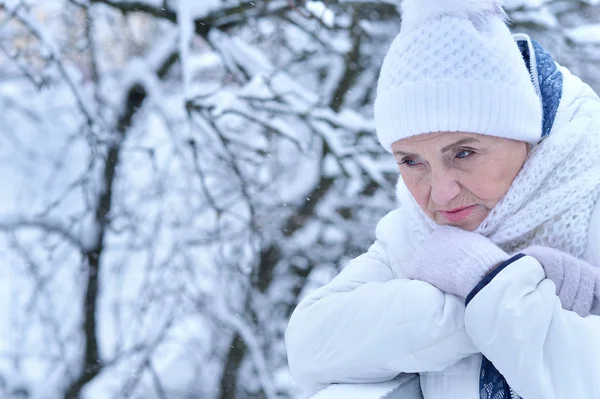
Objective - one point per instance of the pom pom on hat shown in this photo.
(453, 67)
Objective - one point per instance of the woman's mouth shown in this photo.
(458, 214)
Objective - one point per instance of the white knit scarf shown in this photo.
(551, 200)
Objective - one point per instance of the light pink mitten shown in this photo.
(577, 282)
(455, 260)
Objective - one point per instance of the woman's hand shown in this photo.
(577, 282)
(455, 260)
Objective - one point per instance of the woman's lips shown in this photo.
(457, 215)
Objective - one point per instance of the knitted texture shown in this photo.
(492, 384)
(456, 72)
(454, 260)
(551, 201)
(577, 282)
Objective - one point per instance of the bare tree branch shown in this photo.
(47, 225)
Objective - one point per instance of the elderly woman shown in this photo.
(482, 281)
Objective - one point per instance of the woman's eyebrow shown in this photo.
(404, 154)
(460, 142)
(446, 148)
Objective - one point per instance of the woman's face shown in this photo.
(457, 178)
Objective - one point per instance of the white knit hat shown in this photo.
(455, 67)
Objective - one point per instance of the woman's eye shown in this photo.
(408, 162)
(464, 154)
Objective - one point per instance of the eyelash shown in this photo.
(406, 162)
(470, 152)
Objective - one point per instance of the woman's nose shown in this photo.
(444, 187)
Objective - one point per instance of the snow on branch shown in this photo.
(585, 34)
(185, 20)
(46, 40)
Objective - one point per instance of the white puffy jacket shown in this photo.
(370, 323)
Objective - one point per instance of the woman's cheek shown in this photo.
(489, 190)
(418, 188)
(490, 179)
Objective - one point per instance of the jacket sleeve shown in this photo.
(369, 325)
(517, 322)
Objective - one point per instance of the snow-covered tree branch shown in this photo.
(161, 157)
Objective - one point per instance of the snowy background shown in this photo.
(177, 174)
